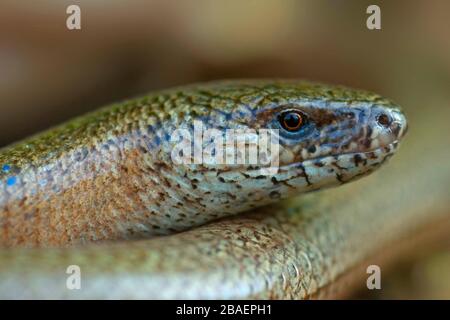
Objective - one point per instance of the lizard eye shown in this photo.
(292, 120)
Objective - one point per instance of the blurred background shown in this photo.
(125, 48)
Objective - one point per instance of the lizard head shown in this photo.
(322, 136)
(331, 135)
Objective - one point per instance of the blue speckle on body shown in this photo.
(167, 137)
(6, 167)
(157, 140)
(11, 181)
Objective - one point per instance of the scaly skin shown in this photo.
(109, 176)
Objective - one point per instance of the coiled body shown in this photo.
(289, 249)
(112, 174)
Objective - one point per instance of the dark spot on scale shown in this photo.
(221, 179)
(304, 174)
(162, 196)
(275, 195)
(369, 131)
(143, 150)
(319, 164)
(338, 166)
(357, 159)
(312, 149)
(230, 195)
(274, 180)
(161, 165)
(371, 155)
(346, 146)
(260, 177)
(339, 178)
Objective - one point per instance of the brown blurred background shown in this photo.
(49, 74)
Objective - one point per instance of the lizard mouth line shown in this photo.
(390, 146)
(381, 150)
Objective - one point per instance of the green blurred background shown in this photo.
(49, 74)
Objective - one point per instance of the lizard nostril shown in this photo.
(384, 120)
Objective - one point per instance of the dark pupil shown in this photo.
(292, 121)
